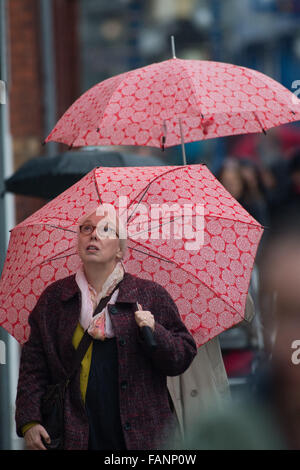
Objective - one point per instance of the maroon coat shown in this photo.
(144, 407)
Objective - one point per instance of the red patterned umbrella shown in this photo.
(156, 105)
(209, 282)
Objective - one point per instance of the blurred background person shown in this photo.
(254, 199)
(243, 181)
(230, 177)
(287, 211)
(268, 417)
(242, 346)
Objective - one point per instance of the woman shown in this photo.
(243, 181)
(119, 398)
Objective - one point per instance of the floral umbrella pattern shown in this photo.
(209, 285)
(147, 106)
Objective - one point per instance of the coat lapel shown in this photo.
(128, 292)
(70, 301)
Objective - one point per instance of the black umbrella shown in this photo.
(46, 177)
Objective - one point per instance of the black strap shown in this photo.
(87, 339)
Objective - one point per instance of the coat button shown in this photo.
(113, 310)
(127, 426)
(194, 393)
(122, 341)
(124, 385)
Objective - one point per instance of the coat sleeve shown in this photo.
(176, 347)
(33, 372)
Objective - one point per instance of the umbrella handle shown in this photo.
(148, 337)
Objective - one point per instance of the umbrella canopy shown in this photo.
(47, 177)
(207, 280)
(163, 103)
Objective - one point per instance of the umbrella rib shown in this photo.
(40, 264)
(215, 293)
(194, 276)
(97, 189)
(59, 257)
(61, 228)
(174, 169)
(157, 255)
(260, 123)
(233, 220)
(212, 216)
(202, 282)
(45, 224)
(153, 256)
(121, 77)
(144, 191)
(193, 85)
(159, 225)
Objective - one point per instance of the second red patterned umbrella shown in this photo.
(163, 103)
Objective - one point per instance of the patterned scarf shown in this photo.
(99, 326)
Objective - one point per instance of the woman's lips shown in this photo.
(92, 248)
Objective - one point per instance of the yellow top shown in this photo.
(84, 373)
(86, 361)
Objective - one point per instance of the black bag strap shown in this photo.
(87, 339)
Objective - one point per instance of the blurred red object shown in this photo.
(238, 363)
(248, 146)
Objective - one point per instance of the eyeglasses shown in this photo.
(87, 229)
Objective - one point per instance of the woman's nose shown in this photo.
(94, 233)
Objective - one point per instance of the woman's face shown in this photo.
(231, 180)
(95, 249)
(250, 177)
